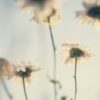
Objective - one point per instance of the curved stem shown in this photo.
(24, 87)
(5, 87)
(75, 77)
(54, 53)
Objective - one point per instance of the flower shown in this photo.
(5, 67)
(43, 9)
(50, 10)
(92, 13)
(42, 16)
(25, 71)
(73, 50)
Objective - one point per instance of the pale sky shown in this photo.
(25, 40)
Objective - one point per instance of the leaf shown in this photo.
(63, 98)
(56, 82)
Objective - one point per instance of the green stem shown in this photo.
(75, 77)
(5, 87)
(54, 53)
(24, 87)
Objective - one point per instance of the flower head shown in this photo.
(43, 9)
(50, 10)
(91, 14)
(25, 71)
(5, 67)
(42, 16)
(73, 50)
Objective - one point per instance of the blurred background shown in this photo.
(25, 40)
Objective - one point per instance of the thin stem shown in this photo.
(54, 53)
(24, 87)
(75, 77)
(5, 87)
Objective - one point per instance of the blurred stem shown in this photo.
(24, 87)
(75, 78)
(5, 87)
(54, 54)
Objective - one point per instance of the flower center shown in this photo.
(26, 73)
(94, 12)
(76, 52)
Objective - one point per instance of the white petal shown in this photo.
(68, 60)
(89, 5)
(25, 5)
(82, 20)
(80, 13)
(90, 1)
(96, 24)
(92, 21)
(70, 45)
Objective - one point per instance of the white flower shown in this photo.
(42, 16)
(42, 10)
(91, 14)
(72, 50)
(25, 71)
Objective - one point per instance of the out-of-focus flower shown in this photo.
(5, 67)
(42, 10)
(72, 50)
(50, 11)
(91, 14)
(42, 16)
(25, 71)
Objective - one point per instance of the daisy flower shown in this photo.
(50, 11)
(42, 17)
(5, 70)
(91, 14)
(74, 51)
(25, 72)
(42, 9)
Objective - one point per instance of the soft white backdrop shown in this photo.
(25, 40)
